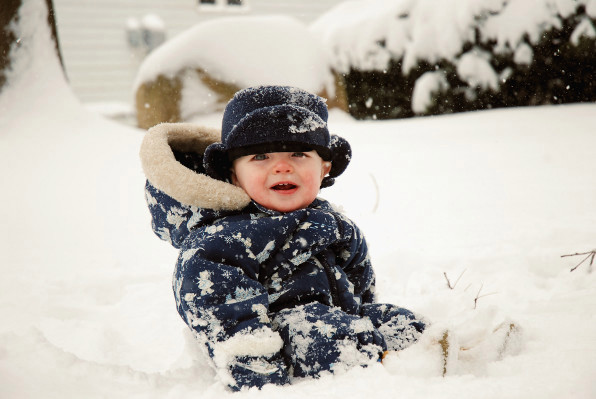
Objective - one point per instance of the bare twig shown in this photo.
(456, 281)
(376, 206)
(590, 254)
(478, 296)
(448, 282)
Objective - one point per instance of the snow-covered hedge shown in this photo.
(406, 57)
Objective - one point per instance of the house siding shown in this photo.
(101, 65)
(99, 62)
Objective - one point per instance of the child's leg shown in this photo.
(318, 338)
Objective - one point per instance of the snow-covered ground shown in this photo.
(85, 294)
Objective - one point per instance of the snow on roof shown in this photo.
(366, 34)
(153, 22)
(245, 51)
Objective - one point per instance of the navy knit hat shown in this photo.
(275, 119)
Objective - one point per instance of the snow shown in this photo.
(270, 50)
(133, 23)
(429, 84)
(489, 199)
(430, 30)
(367, 35)
(264, 342)
(523, 54)
(584, 29)
(153, 22)
(474, 68)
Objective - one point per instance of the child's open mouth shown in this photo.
(284, 187)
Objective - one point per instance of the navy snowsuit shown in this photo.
(276, 295)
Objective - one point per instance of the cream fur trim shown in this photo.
(183, 184)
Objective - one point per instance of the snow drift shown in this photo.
(494, 197)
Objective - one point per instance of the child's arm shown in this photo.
(169, 218)
(356, 263)
(228, 310)
(399, 326)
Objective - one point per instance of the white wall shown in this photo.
(92, 34)
(305, 10)
(101, 65)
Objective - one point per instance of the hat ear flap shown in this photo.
(327, 182)
(341, 154)
(216, 162)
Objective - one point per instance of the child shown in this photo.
(271, 279)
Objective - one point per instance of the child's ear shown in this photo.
(326, 168)
(233, 177)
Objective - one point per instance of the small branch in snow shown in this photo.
(456, 281)
(377, 197)
(590, 255)
(478, 296)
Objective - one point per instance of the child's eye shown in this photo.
(260, 157)
(299, 154)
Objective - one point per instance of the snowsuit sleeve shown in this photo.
(171, 220)
(398, 326)
(356, 284)
(218, 294)
(358, 267)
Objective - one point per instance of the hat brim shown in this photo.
(217, 163)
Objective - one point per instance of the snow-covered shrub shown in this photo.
(198, 71)
(488, 53)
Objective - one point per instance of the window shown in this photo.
(223, 5)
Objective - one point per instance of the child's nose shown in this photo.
(283, 166)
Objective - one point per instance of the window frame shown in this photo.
(223, 6)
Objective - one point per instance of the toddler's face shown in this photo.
(281, 181)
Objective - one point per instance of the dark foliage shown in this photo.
(8, 14)
(560, 72)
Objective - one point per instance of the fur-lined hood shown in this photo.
(167, 174)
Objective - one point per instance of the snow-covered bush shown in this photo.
(198, 71)
(400, 58)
